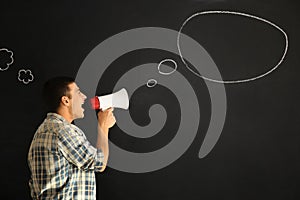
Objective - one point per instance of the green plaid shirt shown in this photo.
(62, 161)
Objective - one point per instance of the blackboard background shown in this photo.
(257, 155)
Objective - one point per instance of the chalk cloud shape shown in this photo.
(6, 59)
(25, 76)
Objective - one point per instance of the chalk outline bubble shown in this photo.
(167, 60)
(12, 59)
(106, 52)
(163, 73)
(239, 14)
(25, 71)
(151, 80)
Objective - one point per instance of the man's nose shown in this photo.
(84, 97)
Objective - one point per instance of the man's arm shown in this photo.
(77, 149)
(106, 120)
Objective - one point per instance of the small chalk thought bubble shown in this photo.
(6, 59)
(25, 76)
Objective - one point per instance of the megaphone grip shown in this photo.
(95, 103)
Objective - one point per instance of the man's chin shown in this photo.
(80, 116)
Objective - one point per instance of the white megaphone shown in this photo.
(116, 100)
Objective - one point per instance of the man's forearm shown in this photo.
(102, 143)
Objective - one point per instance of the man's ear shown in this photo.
(65, 100)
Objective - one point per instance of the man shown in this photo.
(61, 160)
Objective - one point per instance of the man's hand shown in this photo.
(106, 119)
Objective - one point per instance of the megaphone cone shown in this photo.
(116, 100)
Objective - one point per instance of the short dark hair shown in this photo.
(54, 89)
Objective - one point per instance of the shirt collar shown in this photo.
(62, 119)
(57, 116)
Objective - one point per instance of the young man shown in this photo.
(61, 160)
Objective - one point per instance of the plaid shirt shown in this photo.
(62, 161)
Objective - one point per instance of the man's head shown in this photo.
(63, 96)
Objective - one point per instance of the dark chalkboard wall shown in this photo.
(258, 153)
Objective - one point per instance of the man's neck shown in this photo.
(65, 114)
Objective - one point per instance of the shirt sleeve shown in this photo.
(78, 150)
